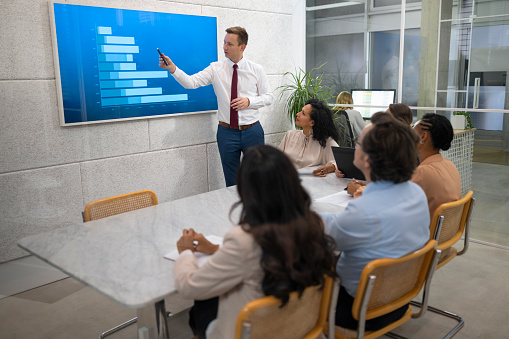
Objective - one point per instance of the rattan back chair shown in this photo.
(388, 284)
(451, 221)
(302, 317)
(115, 205)
(119, 204)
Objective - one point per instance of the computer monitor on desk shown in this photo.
(375, 97)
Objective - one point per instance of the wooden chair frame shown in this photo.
(437, 223)
(436, 226)
(244, 326)
(118, 204)
(363, 310)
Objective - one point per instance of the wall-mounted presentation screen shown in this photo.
(107, 64)
(375, 97)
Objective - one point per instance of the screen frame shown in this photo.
(58, 78)
(373, 90)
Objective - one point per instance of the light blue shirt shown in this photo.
(388, 221)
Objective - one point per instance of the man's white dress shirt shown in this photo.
(252, 84)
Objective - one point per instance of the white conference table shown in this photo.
(122, 256)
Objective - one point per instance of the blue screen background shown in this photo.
(87, 91)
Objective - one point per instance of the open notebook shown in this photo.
(201, 258)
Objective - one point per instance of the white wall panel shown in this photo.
(273, 117)
(182, 130)
(269, 39)
(280, 6)
(32, 137)
(25, 38)
(171, 174)
(37, 201)
(215, 170)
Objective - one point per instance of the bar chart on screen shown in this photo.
(107, 63)
(116, 55)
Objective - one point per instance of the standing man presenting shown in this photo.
(241, 87)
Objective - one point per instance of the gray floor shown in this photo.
(473, 285)
(67, 309)
(490, 218)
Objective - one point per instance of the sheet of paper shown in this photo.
(339, 199)
(307, 170)
(201, 258)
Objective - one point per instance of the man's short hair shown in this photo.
(391, 146)
(240, 32)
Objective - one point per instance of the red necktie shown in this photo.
(234, 116)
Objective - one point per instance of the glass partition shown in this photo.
(454, 58)
(336, 39)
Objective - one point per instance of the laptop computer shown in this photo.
(344, 162)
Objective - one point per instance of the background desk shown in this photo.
(122, 256)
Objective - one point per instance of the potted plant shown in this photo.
(302, 87)
(466, 122)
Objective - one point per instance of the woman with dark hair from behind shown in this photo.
(438, 177)
(311, 146)
(401, 112)
(278, 247)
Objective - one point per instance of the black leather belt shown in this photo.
(241, 127)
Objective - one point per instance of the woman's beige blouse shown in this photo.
(305, 151)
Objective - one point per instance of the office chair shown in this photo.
(342, 123)
(303, 317)
(386, 285)
(115, 205)
(450, 221)
(119, 204)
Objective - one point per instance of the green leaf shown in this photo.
(301, 87)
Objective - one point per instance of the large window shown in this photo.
(359, 44)
(441, 56)
(385, 63)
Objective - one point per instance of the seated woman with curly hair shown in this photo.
(278, 247)
(311, 146)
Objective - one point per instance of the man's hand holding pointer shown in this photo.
(171, 66)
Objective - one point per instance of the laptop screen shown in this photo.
(344, 162)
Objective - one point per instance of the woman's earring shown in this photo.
(422, 142)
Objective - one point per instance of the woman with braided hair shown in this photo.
(438, 177)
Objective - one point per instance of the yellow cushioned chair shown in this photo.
(115, 205)
(388, 284)
(303, 317)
